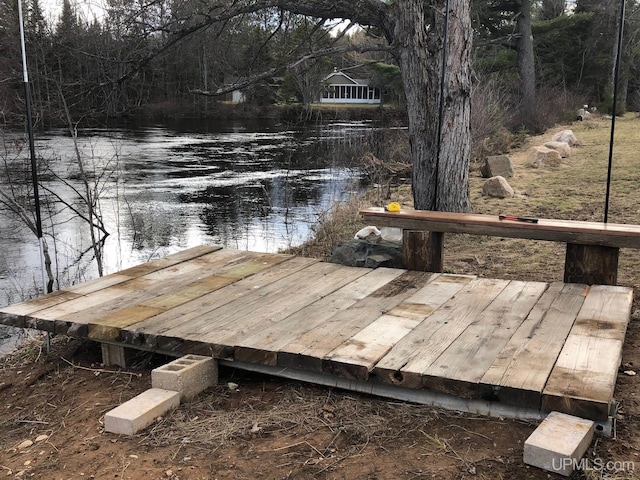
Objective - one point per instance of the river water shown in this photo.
(163, 188)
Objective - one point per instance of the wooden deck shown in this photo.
(530, 344)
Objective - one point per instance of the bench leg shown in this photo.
(591, 264)
(423, 251)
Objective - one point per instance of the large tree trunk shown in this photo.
(440, 169)
(526, 66)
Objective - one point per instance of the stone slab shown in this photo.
(559, 442)
(141, 411)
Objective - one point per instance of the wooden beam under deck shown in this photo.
(538, 345)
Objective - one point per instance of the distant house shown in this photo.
(338, 87)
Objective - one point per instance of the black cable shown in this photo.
(615, 111)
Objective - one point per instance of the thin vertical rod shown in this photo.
(32, 151)
(615, 109)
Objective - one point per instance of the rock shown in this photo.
(497, 187)
(541, 157)
(563, 148)
(41, 438)
(25, 444)
(583, 114)
(499, 165)
(233, 386)
(362, 253)
(566, 136)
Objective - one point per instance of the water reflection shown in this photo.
(163, 188)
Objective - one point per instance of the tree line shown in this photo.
(163, 56)
(508, 64)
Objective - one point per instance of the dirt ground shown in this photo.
(52, 408)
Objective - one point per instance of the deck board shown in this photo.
(529, 344)
(583, 378)
(520, 371)
(462, 365)
(266, 341)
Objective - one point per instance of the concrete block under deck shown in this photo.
(189, 375)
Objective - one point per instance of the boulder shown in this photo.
(583, 114)
(563, 148)
(541, 157)
(497, 187)
(499, 165)
(566, 136)
(361, 253)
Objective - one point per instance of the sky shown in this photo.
(88, 8)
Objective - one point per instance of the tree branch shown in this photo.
(274, 71)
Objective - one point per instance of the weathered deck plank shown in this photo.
(357, 356)
(583, 378)
(235, 321)
(263, 345)
(435, 335)
(100, 306)
(308, 350)
(154, 332)
(520, 371)
(459, 369)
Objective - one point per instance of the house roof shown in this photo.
(338, 73)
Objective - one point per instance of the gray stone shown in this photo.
(541, 157)
(566, 136)
(497, 187)
(362, 253)
(499, 165)
(563, 148)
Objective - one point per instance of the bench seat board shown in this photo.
(567, 231)
(528, 344)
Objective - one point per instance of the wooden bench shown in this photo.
(592, 247)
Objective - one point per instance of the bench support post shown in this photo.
(591, 264)
(423, 251)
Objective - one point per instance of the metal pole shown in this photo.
(32, 151)
(614, 110)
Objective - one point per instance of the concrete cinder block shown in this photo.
(559, 443)
(140, 412)
(189, 375)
